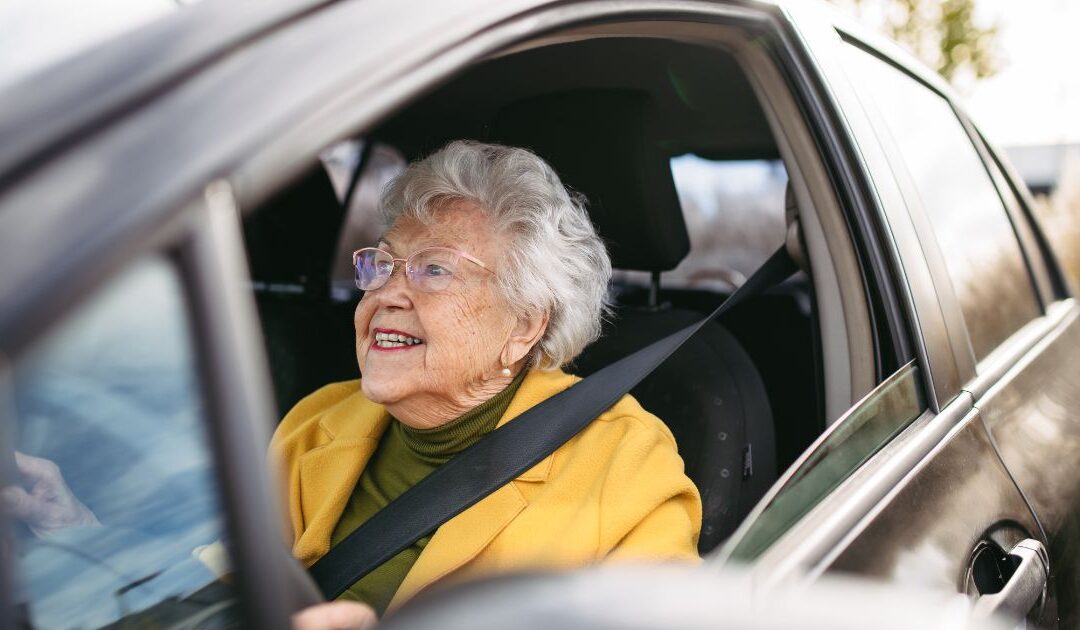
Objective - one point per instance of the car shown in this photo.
(177, 204)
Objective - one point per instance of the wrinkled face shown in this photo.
(462, 329)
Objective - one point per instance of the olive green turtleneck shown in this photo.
(403, 457)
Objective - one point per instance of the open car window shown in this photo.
(109, 415)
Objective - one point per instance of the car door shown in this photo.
(914, 491)
(1029, 395)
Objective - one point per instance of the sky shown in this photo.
(1035, 99)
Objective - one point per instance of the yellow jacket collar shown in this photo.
(357, 423)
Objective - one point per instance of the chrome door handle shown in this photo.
(1025, 587)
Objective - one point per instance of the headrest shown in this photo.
(604, 144)
(292, 239)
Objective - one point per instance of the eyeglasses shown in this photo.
(429, 269)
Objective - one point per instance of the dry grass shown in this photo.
(1059, 214)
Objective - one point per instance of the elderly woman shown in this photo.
(488, 281)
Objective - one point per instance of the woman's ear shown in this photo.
(527, 332)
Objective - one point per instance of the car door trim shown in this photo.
(805, 550)
(929, 333)
(932, 253)
(1021, 347)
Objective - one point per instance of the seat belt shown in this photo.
(507, 452)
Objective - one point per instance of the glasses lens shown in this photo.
(373, 268)
(433, 269)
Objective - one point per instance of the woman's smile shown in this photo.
(393, 340)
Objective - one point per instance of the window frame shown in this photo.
(1043, 260)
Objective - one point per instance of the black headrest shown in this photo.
(603, 144)
(292, 238)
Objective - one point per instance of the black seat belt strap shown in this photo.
(506, 453)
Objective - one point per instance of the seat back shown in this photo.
(711, 397)
(291, 241)
(605, 144)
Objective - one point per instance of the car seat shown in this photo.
(291, 241)
(603, 144)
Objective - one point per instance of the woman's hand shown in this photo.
(45, 504)
(340, 615)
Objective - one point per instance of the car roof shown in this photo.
(53, 105)
(49, 109)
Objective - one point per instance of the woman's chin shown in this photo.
(383, 389)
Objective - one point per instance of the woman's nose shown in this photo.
(396, 293)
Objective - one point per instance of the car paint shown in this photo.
(927, 523)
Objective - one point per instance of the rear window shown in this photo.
(734, 213)
(954, 189)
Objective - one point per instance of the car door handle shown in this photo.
(1025, 587)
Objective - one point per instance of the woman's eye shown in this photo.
(436, 270)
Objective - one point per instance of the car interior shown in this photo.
(693, 178)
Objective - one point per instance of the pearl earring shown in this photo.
(505, 371)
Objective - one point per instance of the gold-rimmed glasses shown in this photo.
(429, 269)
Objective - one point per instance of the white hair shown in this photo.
(554, 262)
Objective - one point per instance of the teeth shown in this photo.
(395, 340)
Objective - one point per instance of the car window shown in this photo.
(977, 240)
(110, 427)
(734, 212)
(853, 439)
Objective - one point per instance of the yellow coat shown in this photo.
(615, 491)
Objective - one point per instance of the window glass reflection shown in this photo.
(866, 428)
(115, 507)
(976, 238)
